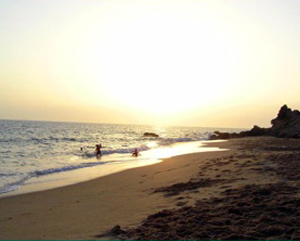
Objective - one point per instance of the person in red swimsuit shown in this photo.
(135, 152)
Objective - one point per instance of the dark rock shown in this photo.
(116, 230)
(163, 213)
(150, 134)
(286, 124)
(220, 135)
(255, 131)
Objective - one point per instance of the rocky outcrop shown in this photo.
(255, 131)
(149, 134)
(286, 124)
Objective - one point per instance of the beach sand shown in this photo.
(248, 191)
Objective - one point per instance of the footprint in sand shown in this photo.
(226, 171)
(180, 204)
(226, 186)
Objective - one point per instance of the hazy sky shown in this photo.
(226, 63)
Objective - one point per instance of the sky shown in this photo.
(207, 63)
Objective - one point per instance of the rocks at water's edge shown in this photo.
(286, 124)
(255, 131)
(150, 134)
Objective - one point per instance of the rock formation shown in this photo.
(149, 134)
(286, 124)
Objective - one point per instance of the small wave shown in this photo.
(144, 147)
(87, 155)
(169, 141)
(65, 139)
(125, 150)
(11, 140)
(7, 174)
(44, 140)
(116, 151)
(12, 186)
(66, 168)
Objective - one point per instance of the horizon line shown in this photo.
(106, 123)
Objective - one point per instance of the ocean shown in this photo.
(34, 151)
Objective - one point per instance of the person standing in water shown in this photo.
(135, 152)
(98, 150)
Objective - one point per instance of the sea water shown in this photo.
(30, 150)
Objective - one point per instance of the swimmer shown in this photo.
(135, 152)
(98, 150)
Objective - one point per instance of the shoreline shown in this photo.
(120, 197)
(73, 177)
(261, 200)
(90, 209)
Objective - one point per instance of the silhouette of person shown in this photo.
(135, 152)
(98, 150)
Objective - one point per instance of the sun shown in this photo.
(160, 65)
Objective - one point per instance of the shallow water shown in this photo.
(39, 153)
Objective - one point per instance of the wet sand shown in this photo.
(257, 197)
(246, 192)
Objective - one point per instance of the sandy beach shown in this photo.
(246, 191)
(150, 120)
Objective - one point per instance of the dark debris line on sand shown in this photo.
(191, 185)
(270, 211)
(252, 212)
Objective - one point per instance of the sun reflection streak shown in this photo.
(179, 149)
(164, 153)
(152, 144)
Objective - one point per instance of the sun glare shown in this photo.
(161, 64)
(152, 144)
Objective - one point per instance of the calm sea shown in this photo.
(30, 149)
